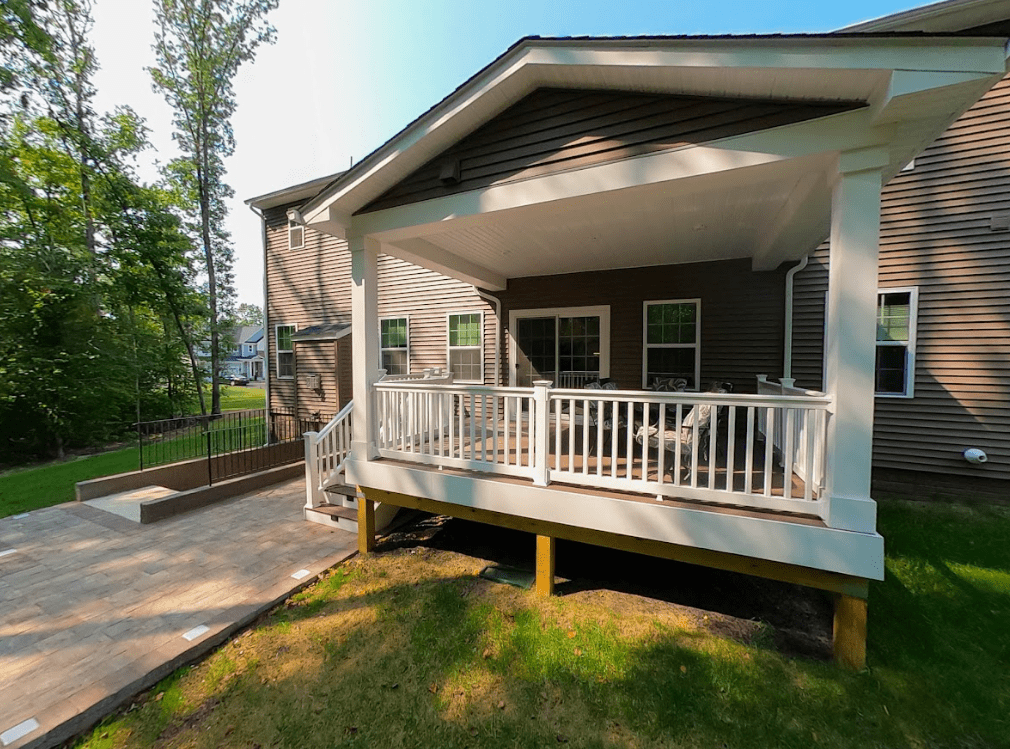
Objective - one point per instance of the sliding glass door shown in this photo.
(568, 347)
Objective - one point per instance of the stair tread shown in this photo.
(336, 511)
(344, 489)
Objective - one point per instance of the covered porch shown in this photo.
(765, 148)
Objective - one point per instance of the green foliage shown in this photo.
(199, 47)
(96, 299)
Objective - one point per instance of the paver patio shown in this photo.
(94, 607)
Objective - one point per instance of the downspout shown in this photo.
(496, 302)
(787, 359)
(266, 326)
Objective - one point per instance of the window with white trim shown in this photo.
(296, 235)
(894, 375)
(285, 352)
(466, 352)
(672, 335)
(394, 345)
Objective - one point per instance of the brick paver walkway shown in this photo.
(94, 607)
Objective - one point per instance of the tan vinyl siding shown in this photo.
(312, 286)
(552, 130)
(936, 234)
(742, 314)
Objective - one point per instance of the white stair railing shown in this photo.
(325, 452)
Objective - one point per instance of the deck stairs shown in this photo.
(339, 509)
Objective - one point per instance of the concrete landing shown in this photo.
(95, 608)
(127, 504)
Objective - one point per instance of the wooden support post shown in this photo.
(366, 524)
(849, 639)
(545, 565)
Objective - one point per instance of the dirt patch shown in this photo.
(793, 619)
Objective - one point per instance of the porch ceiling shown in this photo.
(709, 217)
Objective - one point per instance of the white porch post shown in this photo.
(850, 341)
(364, 343)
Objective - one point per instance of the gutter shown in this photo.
(787, 358)
(266, 323)
(496, 303)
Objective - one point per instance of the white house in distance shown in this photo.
(748, 153)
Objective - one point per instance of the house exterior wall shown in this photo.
(554, 130)
(937, 234)
(742, 314)
(312, 285)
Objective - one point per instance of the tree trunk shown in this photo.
(215, 385)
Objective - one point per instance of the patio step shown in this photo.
(344, 518)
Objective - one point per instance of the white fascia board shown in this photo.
(816, 547)
(418, 219)
(947, 16)
(949, 54)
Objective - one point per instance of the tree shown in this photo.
(248, 314)
(199, 47)
(96, 293)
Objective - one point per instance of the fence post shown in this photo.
(539, 430)
(311, 470)
(140, 443)
(210, 471)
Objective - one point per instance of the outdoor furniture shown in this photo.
(593, 418)
(648, 435)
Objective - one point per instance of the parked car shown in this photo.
(238, 380)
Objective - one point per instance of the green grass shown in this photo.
(34, 487)
(410, 648)
(237, 397)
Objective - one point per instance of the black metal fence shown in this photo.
(233, 444)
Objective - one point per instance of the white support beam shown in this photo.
(330, 221)
(428, 255)
(850, 344)
(364, 343)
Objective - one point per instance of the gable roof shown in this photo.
(810, 67)
(983, 17)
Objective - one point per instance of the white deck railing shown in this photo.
(325, 452)
(795, 450)
(629, 441)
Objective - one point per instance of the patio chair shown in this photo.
(647, 435)
(592, 418)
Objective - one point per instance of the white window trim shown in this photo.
(278, 351)
(601, 311)
(913, 317)
(696, 345)
(381, 349)
(291, 245)
(479, 346)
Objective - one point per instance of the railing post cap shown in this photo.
(762, 378)
(543, 383)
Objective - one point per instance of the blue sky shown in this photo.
(344, 77)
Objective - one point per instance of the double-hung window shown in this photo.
(672, 335)
(394, 343)
(895, 367)
(296, 235)
(466, 352)
(285, 352)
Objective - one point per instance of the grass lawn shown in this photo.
(237, 397)
(50, 484)
(408, 647)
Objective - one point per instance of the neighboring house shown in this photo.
(247, 356)
(633, 210)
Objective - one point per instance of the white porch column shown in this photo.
(364, 343)
(850, 343)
